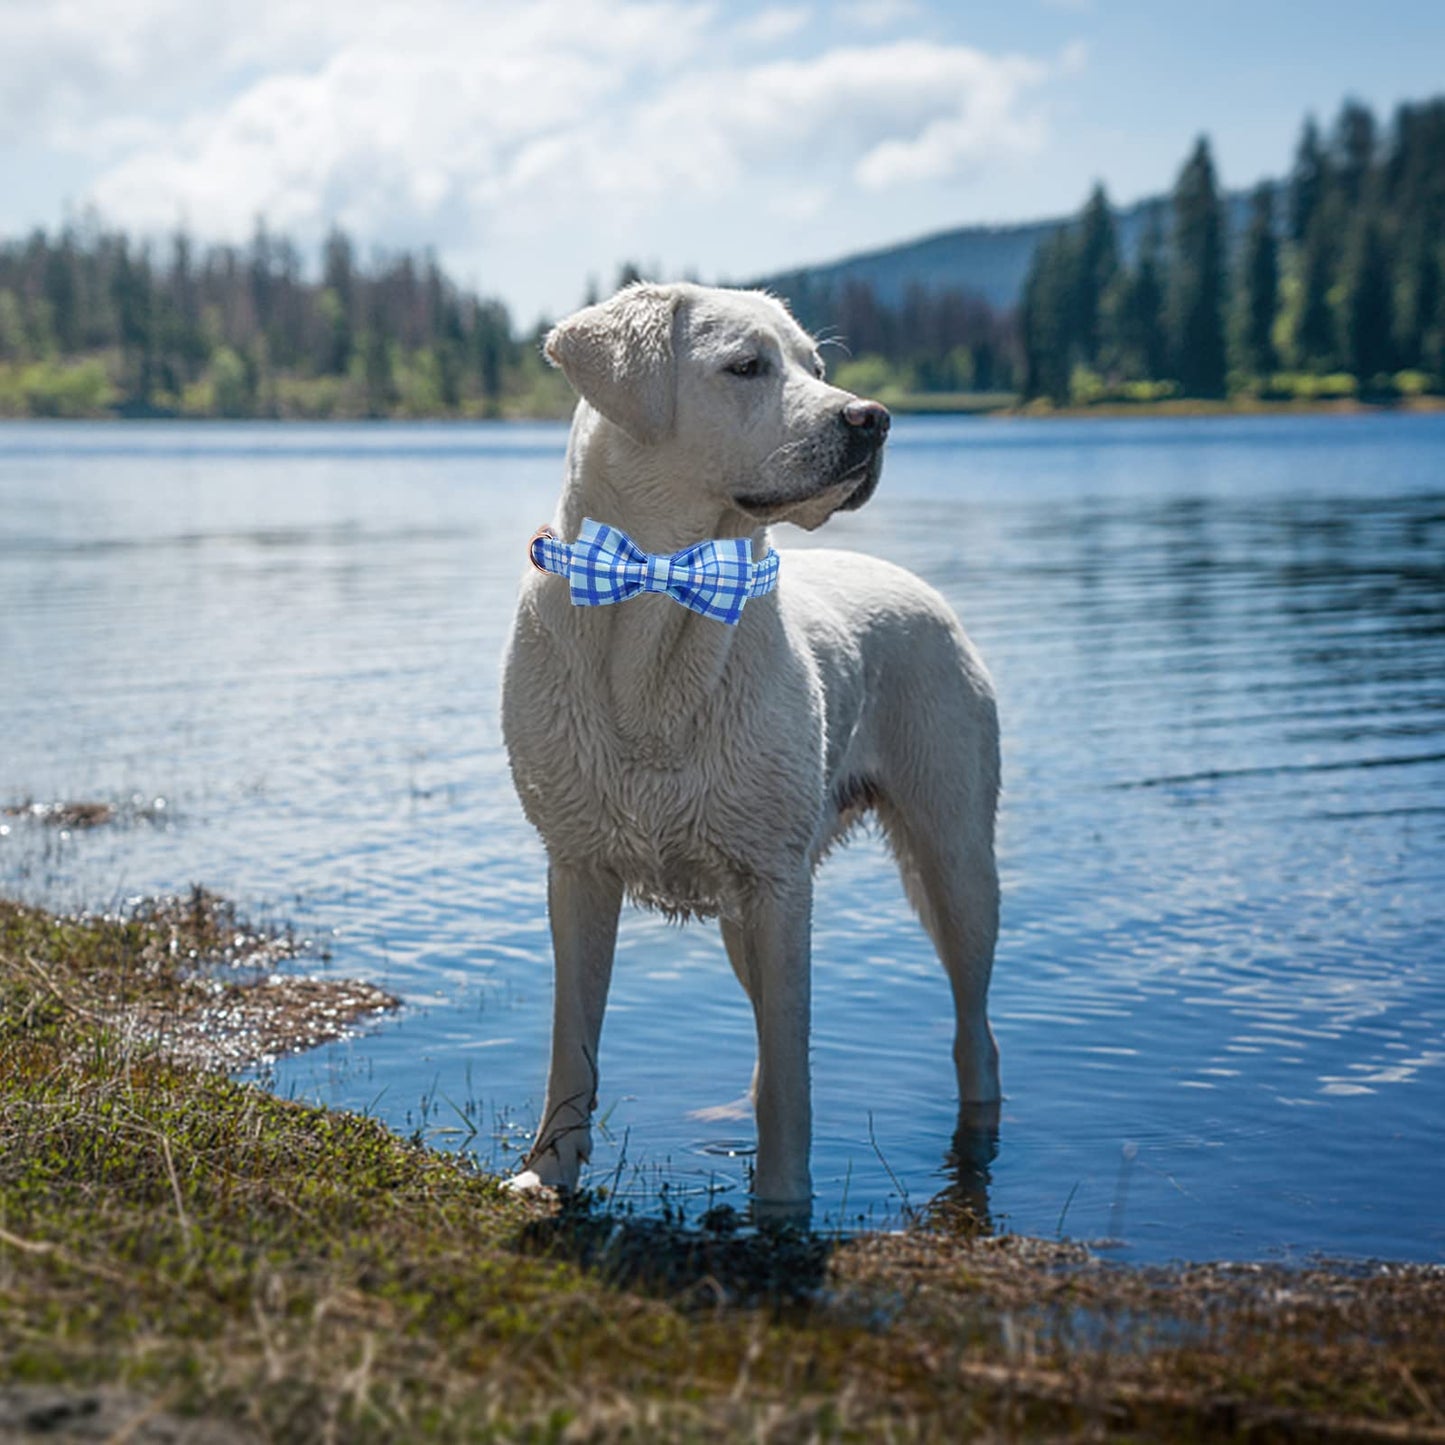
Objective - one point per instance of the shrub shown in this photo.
(52, 389)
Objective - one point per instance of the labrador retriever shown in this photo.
(704, 769)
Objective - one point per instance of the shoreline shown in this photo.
(174, 1244)
(1186, 407)
(1199, 407)
(984, 406)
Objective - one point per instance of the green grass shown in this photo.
(309, 1275)
(951, 403)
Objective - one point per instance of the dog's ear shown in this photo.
(619, 356)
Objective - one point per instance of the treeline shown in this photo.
(1333, 288)
(934, 341)
(1332, 284)
(93, 323)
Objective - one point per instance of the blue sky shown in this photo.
(538, 144)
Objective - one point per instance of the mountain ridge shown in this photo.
(989, 261)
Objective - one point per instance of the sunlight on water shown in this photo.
(1220, 653)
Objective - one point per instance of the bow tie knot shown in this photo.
(604, 565)
(663, 572)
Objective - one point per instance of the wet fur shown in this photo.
(704, 770)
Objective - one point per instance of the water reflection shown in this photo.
(962, 1206)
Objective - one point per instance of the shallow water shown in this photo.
(1220, 653)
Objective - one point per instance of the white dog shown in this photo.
(703, 768)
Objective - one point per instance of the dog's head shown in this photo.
(726, 393)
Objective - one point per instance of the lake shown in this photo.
(1219, 647)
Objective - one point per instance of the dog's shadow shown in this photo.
(720, 1260)
(723, 1259)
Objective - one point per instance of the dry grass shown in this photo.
(176, 1244)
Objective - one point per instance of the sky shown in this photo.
(538, 144)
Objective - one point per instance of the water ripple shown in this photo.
(1218, 648)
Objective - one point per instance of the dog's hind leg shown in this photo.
(949, 873)
(583, 906)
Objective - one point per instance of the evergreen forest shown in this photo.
(94, 323)
(1331, 286)
(1327, 284)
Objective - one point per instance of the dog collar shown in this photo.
(604, 565)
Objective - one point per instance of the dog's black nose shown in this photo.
(868, 416)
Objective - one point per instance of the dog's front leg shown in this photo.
(582, 905)
(775, 939)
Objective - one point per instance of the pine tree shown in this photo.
(1134, 346)
(1307, 182)
(12, 327)
(1413, 187)
(1353, 150)
(1096, 264)
(490, 339)
(1314, 342)
(1432, 345)
(183, 349)
(1196, 293)
(1257, 292)
(133, 295)
(376, 366)
(337, 271)
(864, 324)
(62, 292)
(1417, 295)
(1366, 304)
(1046, 316)
(1151, 298)
(262, 283)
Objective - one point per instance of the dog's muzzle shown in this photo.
(853, 456)
(867, 424)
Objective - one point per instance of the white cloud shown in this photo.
(770, 26)
(985, 120)
(68, 63)
(878, 14)
(71, 65)
(559, 134)
(401, 118)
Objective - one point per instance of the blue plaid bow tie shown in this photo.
(604, 565)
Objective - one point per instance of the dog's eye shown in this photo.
(820, 368)
(748, 366)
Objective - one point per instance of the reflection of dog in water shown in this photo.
(704, 768)
(963, 1204)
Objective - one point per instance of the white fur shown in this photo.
(704, 769)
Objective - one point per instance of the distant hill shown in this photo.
(991, 262)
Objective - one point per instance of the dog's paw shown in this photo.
(785, 1213)
(530, 1183)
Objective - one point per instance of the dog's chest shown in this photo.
(686, 831)
(694, 815)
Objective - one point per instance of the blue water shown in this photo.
(1220, 653)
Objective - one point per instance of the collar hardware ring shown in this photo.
(537, 537)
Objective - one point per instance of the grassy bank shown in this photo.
(176, 1245)
(1186, 406)
(976, 404)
